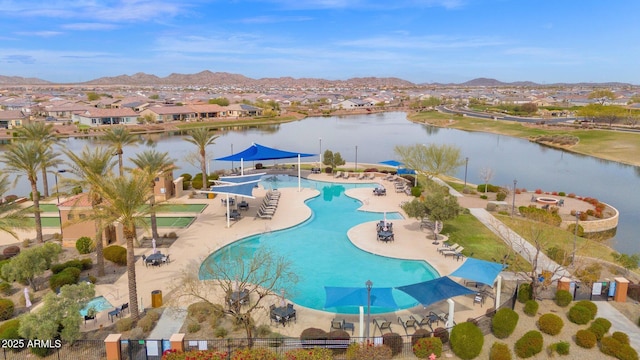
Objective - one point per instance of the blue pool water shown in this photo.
(99, 303)
(321, 253)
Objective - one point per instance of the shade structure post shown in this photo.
(449, 323)
(361, 328)
(498, 291)
(369, 285)
(299, 175)
(228, 217)
(242, 166)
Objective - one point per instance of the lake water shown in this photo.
(371, 139)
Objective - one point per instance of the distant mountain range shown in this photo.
(208, 78)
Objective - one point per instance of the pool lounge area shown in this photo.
(322, 253)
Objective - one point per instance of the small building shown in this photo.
(72, 227)
(98, 117)
(169, 113)
(13, 118)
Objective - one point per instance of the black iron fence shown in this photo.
(81, 349)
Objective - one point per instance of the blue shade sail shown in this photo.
(260, 152)
(241, 178)
(391, 163)
(433, 291)
(478, 270)
(241, 189)
(357, 296)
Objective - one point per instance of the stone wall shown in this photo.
(598, 225)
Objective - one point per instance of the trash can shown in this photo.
(156, 298)
(211, 195)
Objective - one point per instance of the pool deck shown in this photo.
(209, 233)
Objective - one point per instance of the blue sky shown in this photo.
(417, 40)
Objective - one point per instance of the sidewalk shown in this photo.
(619, 322)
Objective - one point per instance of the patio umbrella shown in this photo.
(27, 301)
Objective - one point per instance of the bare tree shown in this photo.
(261, 274)
(486, 174)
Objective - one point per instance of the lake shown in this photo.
(371, 139)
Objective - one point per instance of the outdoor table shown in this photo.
(243, 205)
(284, 313)
(385, 235)
(154, 259)
(240, 297)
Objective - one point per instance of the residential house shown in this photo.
(208, 111)
(13, 118)
(98, 117)
(170, 113)
(351, 104)
(242, 110)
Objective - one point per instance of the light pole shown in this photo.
(369, 285)
(575, 238)
(231, 154)
(356, 157)
(57, 189)
(466, 164)
(513, 206)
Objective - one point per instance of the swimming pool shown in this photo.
(322, 254)
(99, 303)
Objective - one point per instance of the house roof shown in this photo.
(108, 112)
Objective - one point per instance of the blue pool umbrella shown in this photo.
(433, 291)
(357, 296)
(394, 163)
(478, 270)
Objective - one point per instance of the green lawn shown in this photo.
(193, 208)
(173, 221)
(46, 208)
(467, 231)
(53, 222)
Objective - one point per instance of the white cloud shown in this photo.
(44, 34)
(88, 26)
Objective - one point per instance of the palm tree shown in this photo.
(118, 137)
(43, 134)
(124, 201)
(153, 163)
(201, 137)
(25, 157)
(91, 164)
(11, 218)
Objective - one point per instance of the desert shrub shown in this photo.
(358, 351)
(5, 288)
(624, 352)
(339, 335)
(579, 315)
(420, 334)
(504, 322)
(591, 306)
(87, 263)
(540, 215)
(311, 354)
(57, 268)
(606, 324)
(561, 348)
(255, 353)
(309, 335)
(441, 333)
(146, 323)
(220, 332)
(609, 345)
(186, 177)
(598, 330)
(394, 342)
(9, 329)
(558, 255)
(531, 307)
(124, 324)
(84, 245)
(499, 351)
(529, 344)
(622, 337)
(501, 195)
(196, 183)
(550, 324)
(426, 346)
(116, 254)
(490, 188)
(68, 276)
(40, 351)
(11, 251)
(586, 339)
(136, 333)
(466, 340)
(193, 326)
(563, 298)
(525, 292)
(263, 331)
(275, 339)
(6, 309)
(201, 311)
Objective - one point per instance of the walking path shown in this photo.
(619, 322)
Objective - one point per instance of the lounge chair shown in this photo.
(455, 252)
(381, 325)
(338, 174)
(371, 176)
(262, 215)
(361, 176)
(342, 325)
(408, 323)
(422, 321)
(448, 247)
